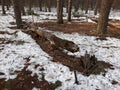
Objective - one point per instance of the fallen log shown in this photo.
(58, 42)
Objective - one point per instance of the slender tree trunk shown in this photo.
(66, 6)
(104, 15)
(82, 5)
(49, 5)
(76, 5)
(30, 5)
(60, 11)
(86, 6)
(22, 7)
(97, 5)
(3, 6)
(45, 5)
(7, 3)
(40, 4)
(69, 9)
(17, 11)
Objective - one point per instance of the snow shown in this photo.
(12, 57)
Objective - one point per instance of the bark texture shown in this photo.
(3, 6)
(17, 11)
(69, 9)
(60, 11)
(104, 15)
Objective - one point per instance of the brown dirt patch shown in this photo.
(80, 27)
(69, 28)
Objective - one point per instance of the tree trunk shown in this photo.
(49, 5)
(22, 7)
(30, 5)
(7, 4)
(45, 5)
(104, 14)
(3, 6)
(97, 5)
(60, 11)
(82, 5)
(76, 5)
(69, 9)
(40, 4)
(17, 11)
(86, 6)
(66, 6)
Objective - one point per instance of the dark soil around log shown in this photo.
(86, 65)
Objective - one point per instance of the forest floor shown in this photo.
(85, 28)
(27, 64)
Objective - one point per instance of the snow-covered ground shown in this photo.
(12, 57)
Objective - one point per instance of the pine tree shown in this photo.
(17, 11)
(60, 11)
(104, 15)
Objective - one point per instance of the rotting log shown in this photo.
(58, 42)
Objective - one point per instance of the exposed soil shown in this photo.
(81, 27)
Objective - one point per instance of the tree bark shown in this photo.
(69, 9)
(49, 5)
(22, 7)
(30, 5)
(60, 11)
(104, 15)
(7, 4)
(40, 4)
(66, 6)
(97, 5)
(86, 6)
(17, 11)
(76, 5)
(3, 6)
(58, 42)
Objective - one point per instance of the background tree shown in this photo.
(86, 6)
(40, 4)
(69, 9)
(97, 6)
(76, 4)
(17, 11)
(3, 6)
(30, 4)
(104, 15)
(22, 4)
(7, 3)
(49, 5)
(60, 11)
